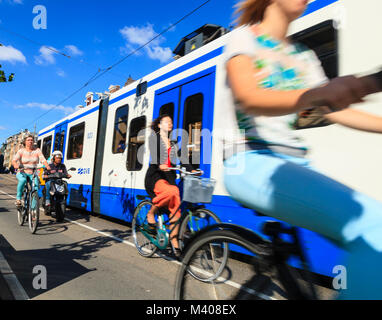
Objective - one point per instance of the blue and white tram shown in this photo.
(103, 139)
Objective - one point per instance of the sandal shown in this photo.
(151, 228)
(18, 203)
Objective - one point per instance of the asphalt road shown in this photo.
(86, 257)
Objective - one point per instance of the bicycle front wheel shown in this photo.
(245, 276)
(34, 212)
(213, 258)
(21, 215)
(22, 211)
(144, 246)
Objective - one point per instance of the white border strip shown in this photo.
(14, 285)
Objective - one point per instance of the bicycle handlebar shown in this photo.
(184, 171)
(376, 77)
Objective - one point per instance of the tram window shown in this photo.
(141, 88)
(192, 124)
(76, 141)
(322, 39)
(59, 141)
(120, 129)
(167, 109)
(39, 144)
(46, 146)
(136, 140)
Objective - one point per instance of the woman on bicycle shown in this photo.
(160, 181)
(27, 158)
(271, 81)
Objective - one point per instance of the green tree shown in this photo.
(3, 78)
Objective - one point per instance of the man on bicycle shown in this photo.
(27, 158)
(55, 166)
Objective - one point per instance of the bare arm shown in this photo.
(42, 159)
(356, 119)
(16, 159)
(339, 93)
(256, 100)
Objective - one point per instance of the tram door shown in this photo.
(190, 104)
(60, 138)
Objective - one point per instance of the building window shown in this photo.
(141, 88)
(47, 146)
(136, 140)
(120, 129)
(76, 141)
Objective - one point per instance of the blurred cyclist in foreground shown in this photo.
(272, 80)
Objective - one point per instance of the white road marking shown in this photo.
(8, 194)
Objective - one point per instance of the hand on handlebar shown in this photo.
(164, 167)
(197, 172)
(341, 92)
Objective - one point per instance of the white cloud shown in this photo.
(3, 128)
(46, 56)
(73, 50)
(14, 1)
(10, 54)
(162, 54)
(45, 106)
(61, 73)
(139, 36)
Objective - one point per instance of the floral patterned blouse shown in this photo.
(277, 66)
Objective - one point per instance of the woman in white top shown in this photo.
(271, 81)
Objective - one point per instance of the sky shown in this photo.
(94, 34)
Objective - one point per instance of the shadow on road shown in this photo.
(60, 261)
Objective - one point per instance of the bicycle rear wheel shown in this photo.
(144, 246)
(248, 273)
(214, 257)
(34, 212)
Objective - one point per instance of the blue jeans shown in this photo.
(287, 188)
(47, 189)
(22, 180)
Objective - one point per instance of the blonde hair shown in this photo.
(251, 11)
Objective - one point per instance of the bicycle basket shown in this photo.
(198, 190)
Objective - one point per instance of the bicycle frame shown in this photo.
(29, 188)
(163, 236)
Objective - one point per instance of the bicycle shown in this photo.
(194, 216)
(259, 268)
(30, 209)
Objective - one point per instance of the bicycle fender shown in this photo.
(249, 234)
